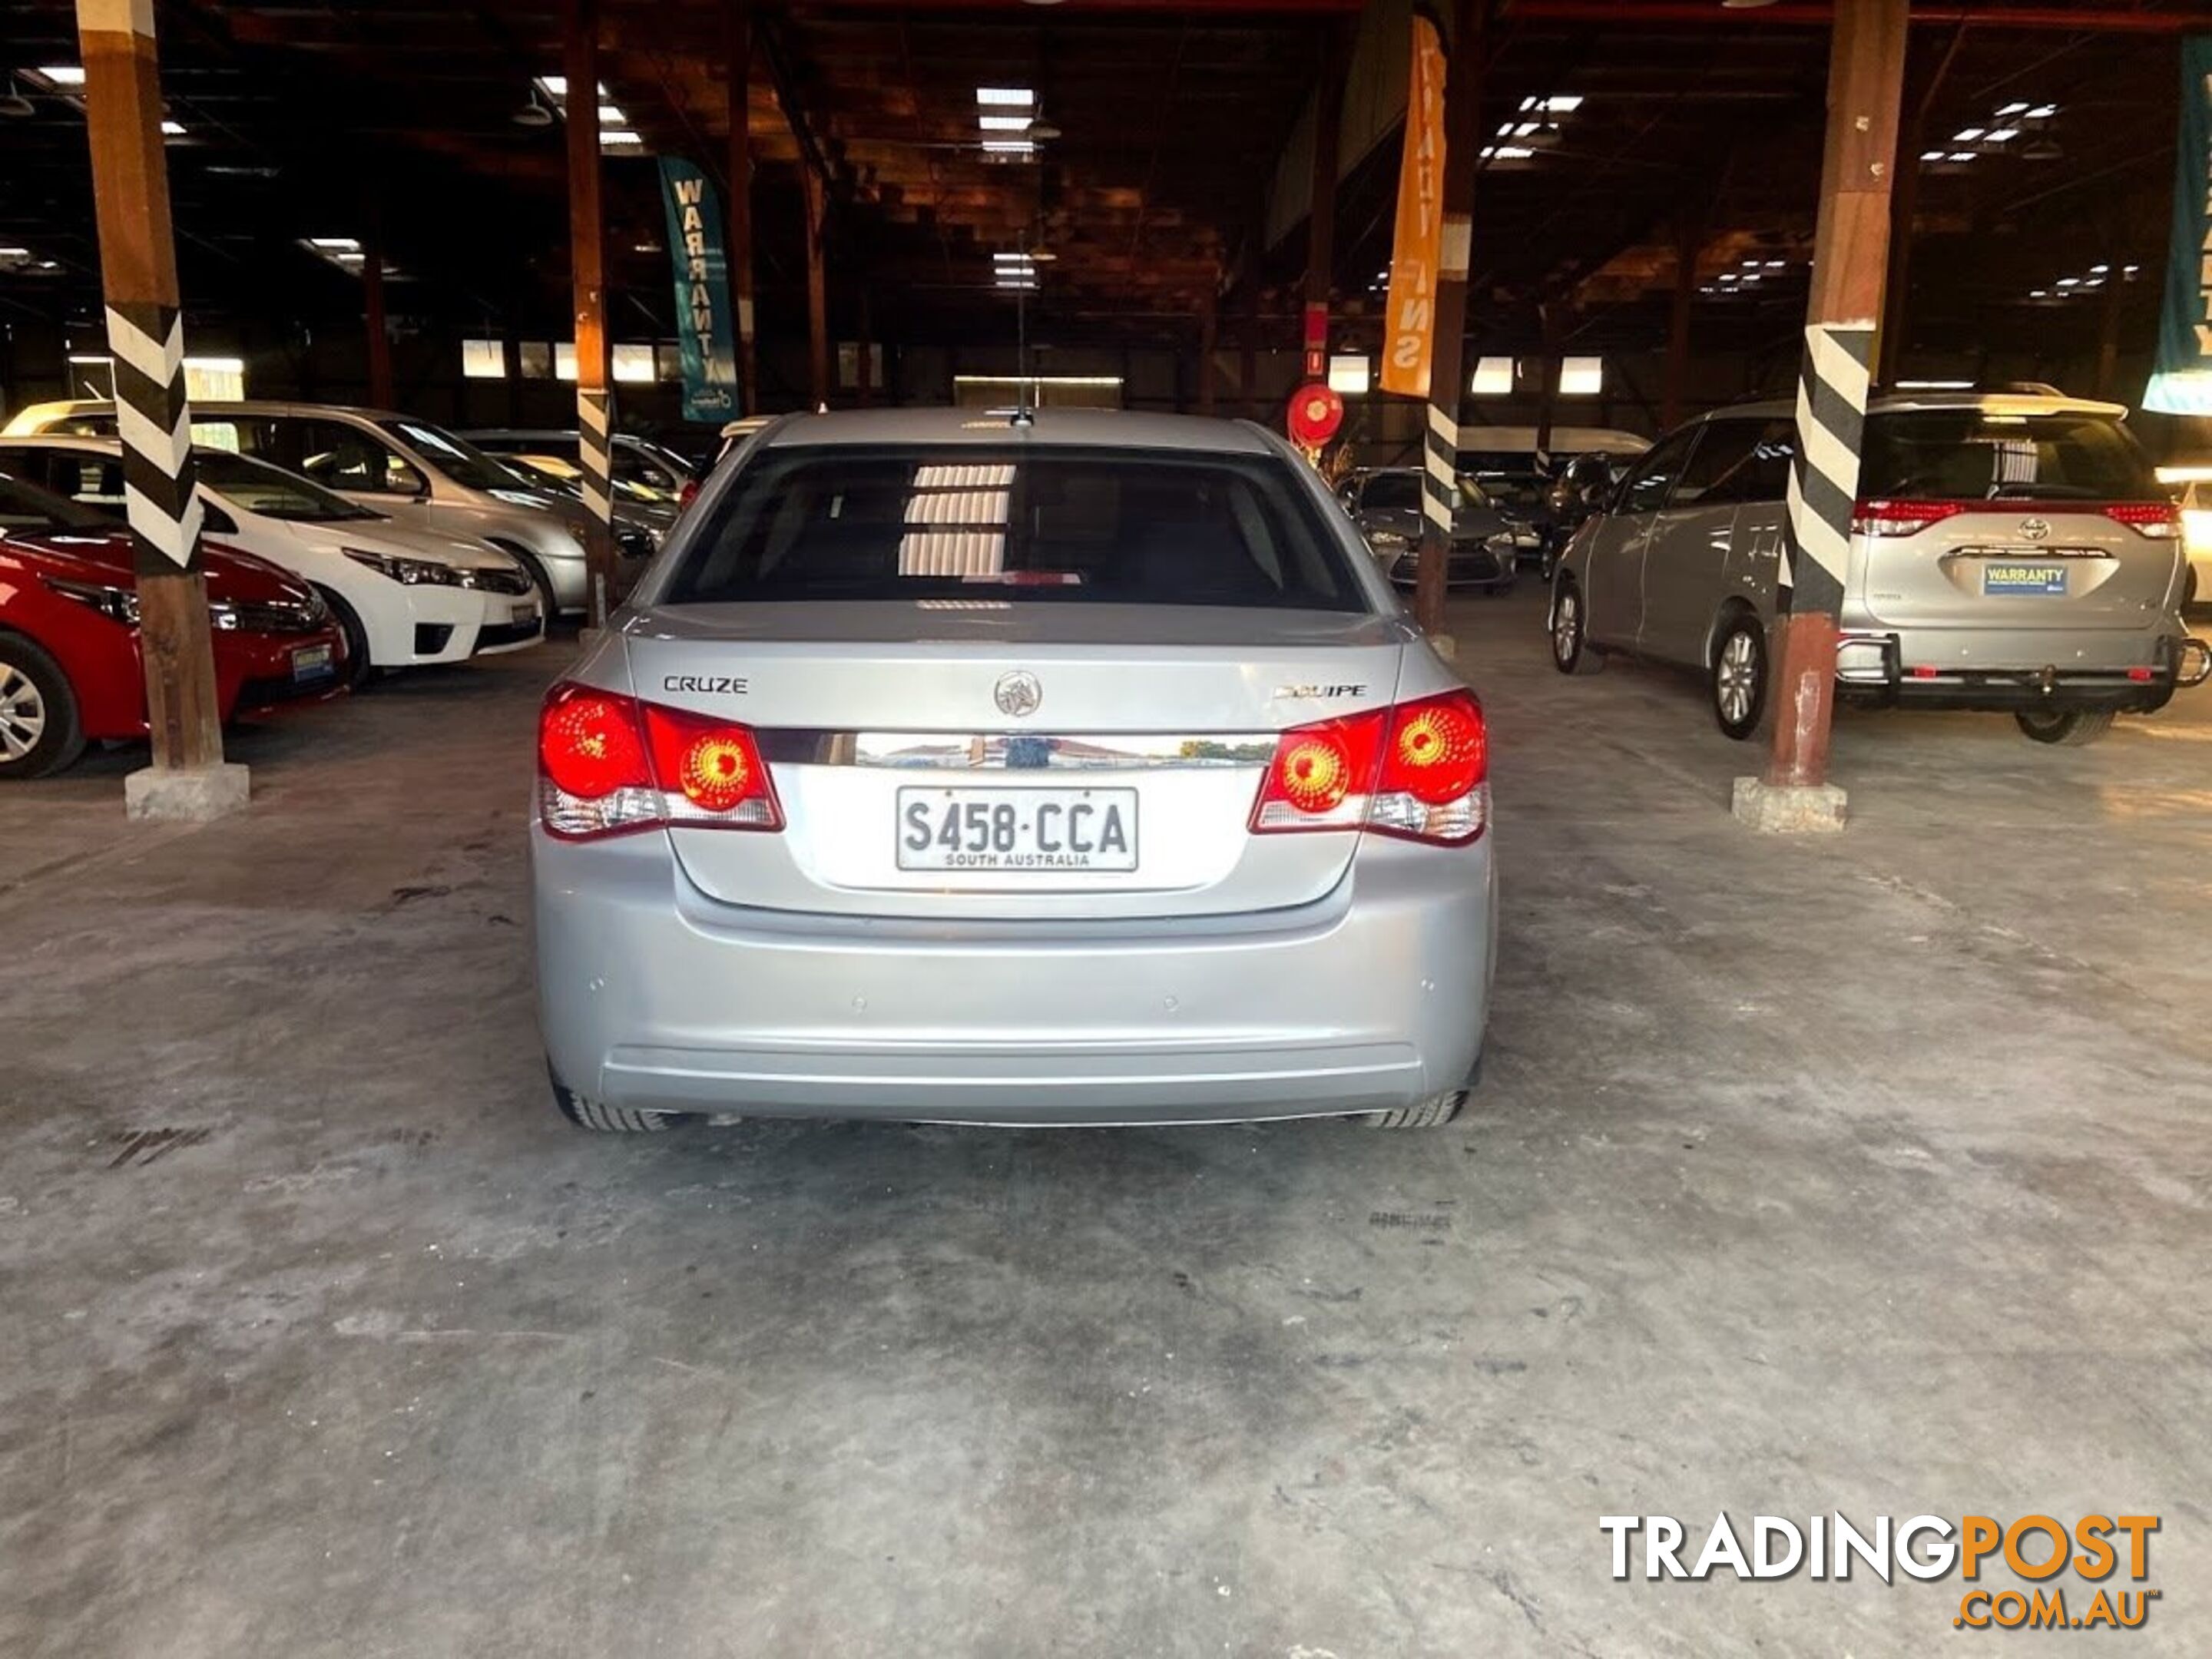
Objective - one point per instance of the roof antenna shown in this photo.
(1024, 411)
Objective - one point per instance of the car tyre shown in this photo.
(1431, 1114)
(2070, 726)
(359, 670)
(39, 732)
(1738, 679)
(1571, 647)
(588, 1114)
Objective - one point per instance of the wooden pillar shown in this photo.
(1904, 204)
(588, 264)
(739, 228)
(1209, 307)
(1689, 241)
(817, 289)
(863, 370)
(372, 300)
(1248, 343)
(2108, 338)
(1463, 78)
(1321, 213)
(1850, 257)
(1548, 376)
(146, 335)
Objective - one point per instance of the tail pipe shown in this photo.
(2194, 666)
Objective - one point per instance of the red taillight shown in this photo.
(688, 494)
(1419, 771)
(1885, 518)
(2158, 519)
(608, 764)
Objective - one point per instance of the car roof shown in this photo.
(220, 406)
(1112, 429)
(1890, 403)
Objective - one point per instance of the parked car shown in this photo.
(420, 473)
(70, 670)
(404, 597)
(2010, 551)
(652, 472)
(1083, 771)
(2193, 487)
(1385, 502)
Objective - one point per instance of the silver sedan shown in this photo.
(1074, 767)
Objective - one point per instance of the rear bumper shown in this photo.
(653, 996)
(2127, 672)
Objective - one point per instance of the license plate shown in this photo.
(312, 662)
(2024, 579)
(1038, 830)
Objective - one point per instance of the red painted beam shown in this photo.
(1809, 14)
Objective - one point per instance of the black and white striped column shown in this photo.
(153, 418)
(1824, 482)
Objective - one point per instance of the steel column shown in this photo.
(738, 228)
(588, 264)
(1467, 51)
(1851, 255)
(146, 334)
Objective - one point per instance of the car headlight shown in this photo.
(412, 572)
(1388, 541)
(116, 603)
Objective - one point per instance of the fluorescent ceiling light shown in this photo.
(14, 254)
(1777, 265)
(2043, 112)
(62, 75)
(2038, 294)
(1728, 277)
(2001, 135)
(1962, 155)
(1013, 257)
(1507, 152)
(172, 129)
(1014, 97)
(1563, 103)
(1931, 154)
(332, 241)
(619, 139)
(2070, 281)
(2011, 110)
(1965, 135)
(1008, 147)
(90, 357)
(1348, 375)
(612, 116)
(2099, 270)
(1004, 123)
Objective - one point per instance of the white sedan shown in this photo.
(404, 597)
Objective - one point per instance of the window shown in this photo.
(1654, 475)
(257, 487)
(1392, 492)
(346, 457)
(1979, 454)
(1581, 377)
(1758, 472)
(483, 360)
(1069, 526)
(457, 459)
(24, 507)
(535, 358)
(632, 364)
(1708, 478)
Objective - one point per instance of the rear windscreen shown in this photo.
(1973, 454)
(1071, 525)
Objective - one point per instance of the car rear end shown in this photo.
(1016, 780)
(2013, 553)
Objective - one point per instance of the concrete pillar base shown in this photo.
(1445, 646)
(1783, 809)
(190, 795)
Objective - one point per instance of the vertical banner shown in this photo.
(2181, 380)
(702, 292)
(1410, 321)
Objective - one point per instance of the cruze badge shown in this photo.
(1018, 694)
(708, 684)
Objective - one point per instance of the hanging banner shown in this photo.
(1409, 322)
(703, 292)
(2181, 381)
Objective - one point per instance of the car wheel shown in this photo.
(588, 1114)
(359, 670)
(1431, 1114)
(1570, 648)
(2071, 726)
(39, 730)
(1739, 677)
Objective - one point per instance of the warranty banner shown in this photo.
(703, 325)
(2181, 383)
(1410, 322)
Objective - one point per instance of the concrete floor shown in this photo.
(1870, 1174)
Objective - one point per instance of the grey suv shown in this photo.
(2009, 551)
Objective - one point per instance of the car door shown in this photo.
(1685, 560)
(1614, 603)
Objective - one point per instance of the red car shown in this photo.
(69, 671)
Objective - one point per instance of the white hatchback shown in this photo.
(405, 597)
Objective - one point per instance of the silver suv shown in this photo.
(2009, 551)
